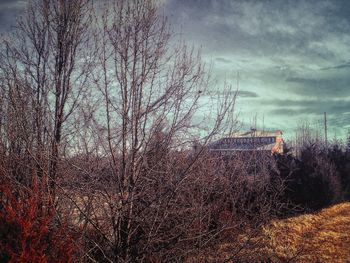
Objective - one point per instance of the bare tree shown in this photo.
(151, 90)
(143, 191)
(44, 69)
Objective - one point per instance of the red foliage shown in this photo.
(31, 235)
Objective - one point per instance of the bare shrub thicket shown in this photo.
(149, 93)
(101, 108)
(179, 215)
(44, 71)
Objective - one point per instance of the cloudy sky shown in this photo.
(293, 57)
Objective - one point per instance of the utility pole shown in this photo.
(325, 130)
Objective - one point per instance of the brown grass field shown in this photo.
(320, 237)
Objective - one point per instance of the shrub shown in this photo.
(311, 181)
(28, 231)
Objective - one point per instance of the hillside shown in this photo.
(319, 237)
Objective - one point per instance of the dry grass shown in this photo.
(319, 237)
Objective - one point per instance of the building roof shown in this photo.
(257, 133)
(252, 140)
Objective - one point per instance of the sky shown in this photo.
(292, 57)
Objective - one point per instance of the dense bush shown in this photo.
(312, 180)
(29, 232)
(217, 201)
(341, 160)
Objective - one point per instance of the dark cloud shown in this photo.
(263, 27)
(310, 107)
(223, 60)
(341, 66)
(8, 2)
(240, 93)
(331, 88)
(9, 11)
(247, 94)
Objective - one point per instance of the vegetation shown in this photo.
(317, 237)
(98, 119)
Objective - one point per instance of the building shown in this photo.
(254, 140)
